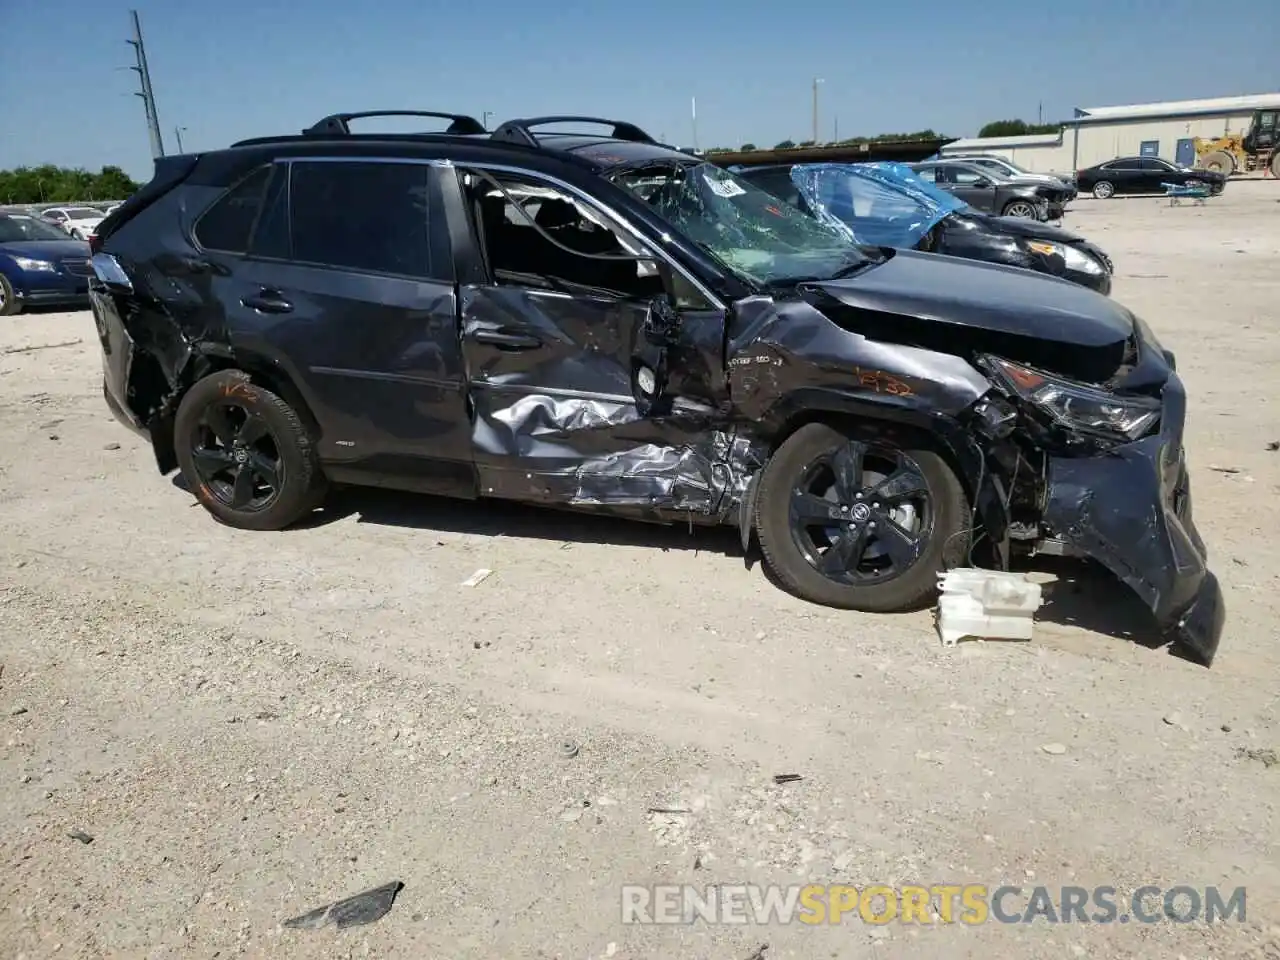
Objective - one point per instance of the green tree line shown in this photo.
(50, 184)
(844, 142)
(1016, 128)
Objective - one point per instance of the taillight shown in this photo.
(95, 243)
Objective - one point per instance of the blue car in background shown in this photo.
(888, 205)
(40, 265)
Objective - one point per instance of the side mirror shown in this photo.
(981, 183)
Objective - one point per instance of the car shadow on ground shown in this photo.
(494, 518)
(1084, 594)
(1087, 596)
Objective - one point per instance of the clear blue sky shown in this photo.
(228, 69)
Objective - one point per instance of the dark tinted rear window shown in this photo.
(227, 224)
(362, 216)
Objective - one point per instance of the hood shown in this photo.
(960, 306)
(1026, 227)
(46, 249)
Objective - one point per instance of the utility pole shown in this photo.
(147, 95)
(177, 133)
(693, 117)
(816, 81)
(835, 129)
(484, 122)
(1040, 112)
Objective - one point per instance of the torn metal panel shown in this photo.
(781, 350)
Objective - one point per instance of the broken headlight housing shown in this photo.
(1077, 407)
(1074, 259)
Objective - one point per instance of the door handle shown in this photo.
(511, 341)
(268, 301)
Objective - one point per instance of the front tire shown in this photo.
(1104, 190)
(9, 302)
(246, 454)
(861, 522)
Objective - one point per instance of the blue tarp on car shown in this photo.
(880, 204)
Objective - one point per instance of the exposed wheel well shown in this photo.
(156, 401)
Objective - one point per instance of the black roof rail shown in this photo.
(521, 131)
(340, 123)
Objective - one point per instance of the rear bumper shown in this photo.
(1130, 509)
(127, 419)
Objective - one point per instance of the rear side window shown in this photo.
(227, 225)
(369, 217)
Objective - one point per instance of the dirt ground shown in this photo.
(251, 725)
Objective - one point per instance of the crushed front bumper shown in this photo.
(1130, 509)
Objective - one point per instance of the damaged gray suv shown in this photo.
(599, 321)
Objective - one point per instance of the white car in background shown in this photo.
(77, 221)
(1008, 168)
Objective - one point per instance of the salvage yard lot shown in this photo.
(249, 725)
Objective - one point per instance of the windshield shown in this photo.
(83, 213)
(14, 229)
(750, 231)
(885, 204)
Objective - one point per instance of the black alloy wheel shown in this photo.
(860, 522)
(246, 454)
(236, 456)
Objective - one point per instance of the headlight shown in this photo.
(1075, 260)
(1077, 406)
(26, 263)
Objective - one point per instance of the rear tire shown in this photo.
(1104, 190)
(9, 302)
(246, 454)
(1020, 208)
(868, 553)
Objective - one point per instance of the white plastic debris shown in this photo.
(988, 604)
(476, 577)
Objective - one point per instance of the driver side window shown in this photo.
(534, 234)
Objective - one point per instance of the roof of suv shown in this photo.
(626, 145)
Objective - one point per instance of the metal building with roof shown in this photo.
(1097, 134)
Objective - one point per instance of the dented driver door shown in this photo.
(549, 327)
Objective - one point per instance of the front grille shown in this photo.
(77, 267)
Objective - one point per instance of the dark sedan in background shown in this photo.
(988, 191)
(886, 204)
(40, 265)
(1135, 175)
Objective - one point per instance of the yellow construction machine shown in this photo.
(1258, 149)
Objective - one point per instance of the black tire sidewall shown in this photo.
(11, 306)
(300, 489)
(913, 589)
